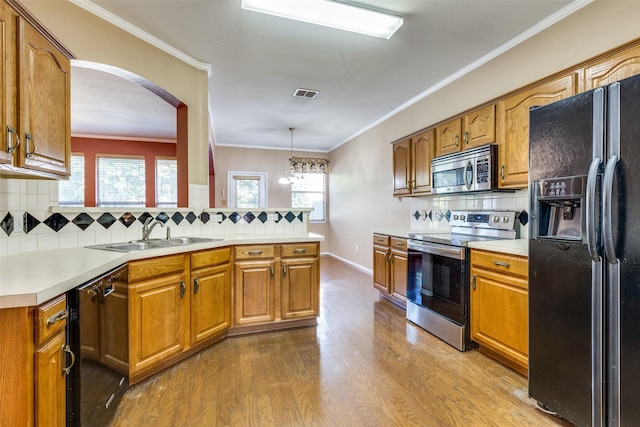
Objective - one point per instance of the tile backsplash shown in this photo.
(30, 219)
(433, 212)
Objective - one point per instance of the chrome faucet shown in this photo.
(146, 229)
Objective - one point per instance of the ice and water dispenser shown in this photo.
(559, 208)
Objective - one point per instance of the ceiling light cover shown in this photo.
(330, 14)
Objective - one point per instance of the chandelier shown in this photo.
(291, 175)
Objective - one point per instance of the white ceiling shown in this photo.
(258, 61)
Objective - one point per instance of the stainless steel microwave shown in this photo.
(475, 169)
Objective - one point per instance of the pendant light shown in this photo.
(290, 176)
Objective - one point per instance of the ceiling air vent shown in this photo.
(305, 93)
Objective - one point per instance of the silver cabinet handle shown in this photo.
(284, 271)
(457, 140)
(502, 172)
(473, 282)
(196, 285)
(67, 349)
(61, 315)
(300, 251)
(254, 252)
(271, 273)
(29, 139)
(11, 133)
(466, 137)
(183, 289)
(501, 263)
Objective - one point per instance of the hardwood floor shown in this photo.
(363, 365)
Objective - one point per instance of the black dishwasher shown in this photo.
(98, 334)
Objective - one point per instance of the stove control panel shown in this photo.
(502, 220)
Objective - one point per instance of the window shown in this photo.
(309, 192)
(121, 182)
(71, 192)
(247, 189)
(166, 183)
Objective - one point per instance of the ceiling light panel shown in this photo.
(330, 14)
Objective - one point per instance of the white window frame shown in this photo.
(233, 176)
(324, 197)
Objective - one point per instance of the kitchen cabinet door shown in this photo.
(513, 127)
(448, 137)
(210, 302)
(381, 268)
(8, 140)
(398, 266)
(402, 168)
(114, 329)
(50, 382)
(45, 103)
(254, 290)
(156, 321)
(479, 127)
(299, 296)
(613, 68)
(422, 149)
(499, 307)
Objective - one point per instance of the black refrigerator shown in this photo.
(584, 256)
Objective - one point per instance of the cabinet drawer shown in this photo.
(154, 267)
(299, 249)
(210, 257)
(379, 239)
(500, 262)
(255, 251)
(50, 318)
(398, 244)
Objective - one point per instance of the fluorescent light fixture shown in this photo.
(330, 14)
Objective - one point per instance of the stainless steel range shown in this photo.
(438, 274)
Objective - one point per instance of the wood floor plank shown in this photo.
(362, 365)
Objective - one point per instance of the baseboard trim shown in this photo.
(351, 263)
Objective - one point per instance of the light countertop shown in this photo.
(32, 278)
(514, 247)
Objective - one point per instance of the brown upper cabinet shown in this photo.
(622, 64)
(412, 164)
(513, 127)
(36, 104)
(470, 130)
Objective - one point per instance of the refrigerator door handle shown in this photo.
(591, 210)
(607, 194)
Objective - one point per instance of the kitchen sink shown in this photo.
(143, 245)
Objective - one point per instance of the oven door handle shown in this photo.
(435, 249)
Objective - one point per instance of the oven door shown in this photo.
(438, 291)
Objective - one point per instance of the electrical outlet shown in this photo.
(357, 248)
(18, 224)
(272, 217)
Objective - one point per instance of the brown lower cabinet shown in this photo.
(499, 307)
(275, 285)
(32, 364)
(390, 263)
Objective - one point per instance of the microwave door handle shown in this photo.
(468, 178)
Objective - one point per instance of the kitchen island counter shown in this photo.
(32, 278)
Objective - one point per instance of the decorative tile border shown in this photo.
(57, 221)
